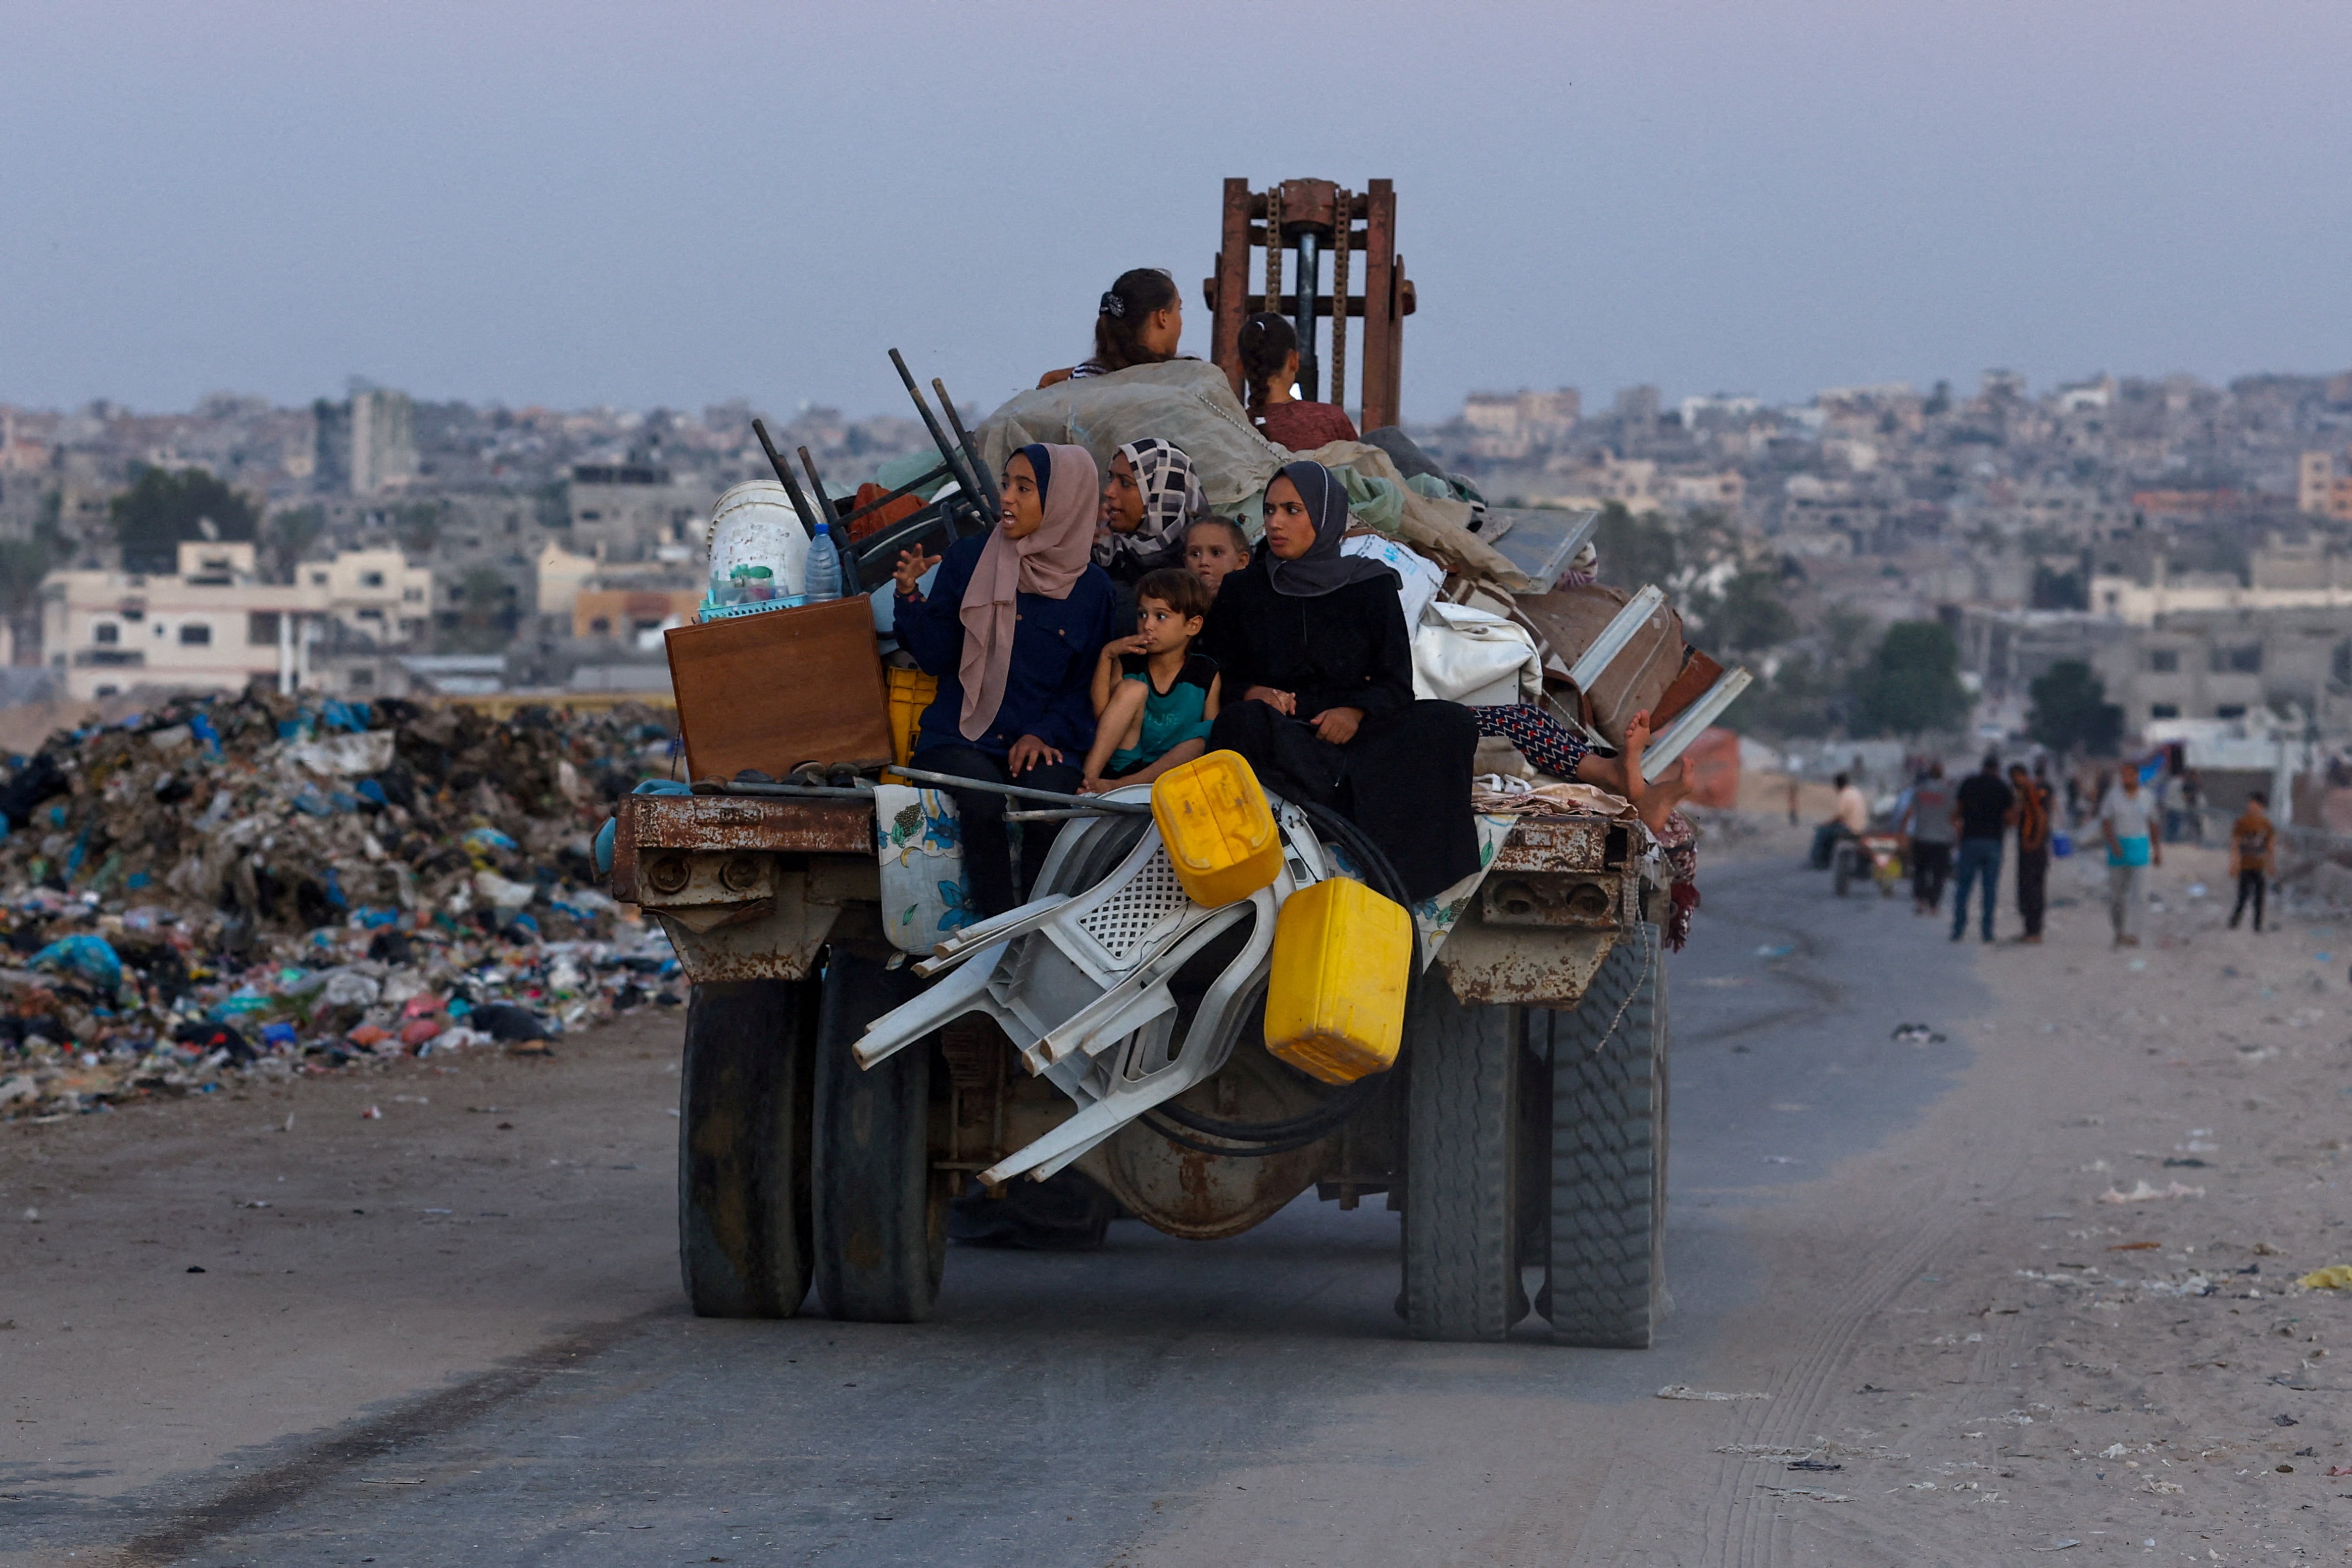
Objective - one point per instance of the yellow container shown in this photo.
(1220, 835)
(910, 691)
(1335, 1000)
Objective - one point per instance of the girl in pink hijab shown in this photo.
(1010, 628)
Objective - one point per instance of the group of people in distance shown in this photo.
(1111, 627)
(1956, 834)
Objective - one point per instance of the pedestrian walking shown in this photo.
(2127, 824)
(1982, 811)
(2032, 848)
(1928, 821)
(2253, 857)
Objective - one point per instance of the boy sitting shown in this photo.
(1159, 714)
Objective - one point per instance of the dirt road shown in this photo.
(1943, 1347)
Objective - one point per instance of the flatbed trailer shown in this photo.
(1523, 1127)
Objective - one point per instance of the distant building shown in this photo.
(365, 444)
(2321, 489)
(2233, 665)
(629, 512)
(2298, 580)
(212, 626)
(1507, 425)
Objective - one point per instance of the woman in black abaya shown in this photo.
(1317, 663)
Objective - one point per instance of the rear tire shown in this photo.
(1461, 1124)
(743, 1147)
(881, 1210)
(1609, 1153)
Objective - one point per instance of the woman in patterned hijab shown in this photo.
(1151, 498)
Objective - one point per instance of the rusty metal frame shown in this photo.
(1310, 210)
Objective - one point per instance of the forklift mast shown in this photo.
(1309, 218)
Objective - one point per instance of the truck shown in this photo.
(839, 1091)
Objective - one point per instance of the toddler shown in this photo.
(1214, 548)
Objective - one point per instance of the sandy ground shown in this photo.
(1975, 1356)
(185, 1278)
(2010, 1362)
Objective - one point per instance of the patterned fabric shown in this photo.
(1172, 502)
(1541, 737)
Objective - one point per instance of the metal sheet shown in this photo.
(743, 822)
(1537, 966)
(1556, 844)
(780, 944)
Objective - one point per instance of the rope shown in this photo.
(1649, 956)
(1340, 230)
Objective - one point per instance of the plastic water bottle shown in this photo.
(824, 566)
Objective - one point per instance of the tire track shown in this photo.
(292, 1479)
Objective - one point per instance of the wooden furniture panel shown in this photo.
(778, 689)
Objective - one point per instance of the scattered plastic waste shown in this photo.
(1915, 1035)
(269, 885)
(1816, 1493)
(2142, 1193)
(1775, 949)
(1683, 1390)
(2335, 1277)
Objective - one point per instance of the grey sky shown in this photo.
(584, 202)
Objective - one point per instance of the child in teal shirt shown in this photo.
(1160, 711)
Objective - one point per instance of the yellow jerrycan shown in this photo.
(1219, 836)
(1335, 999)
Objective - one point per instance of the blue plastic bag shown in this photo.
(92, 958)
(2061, 845)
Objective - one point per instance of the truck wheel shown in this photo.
(1462, 1121)
(743, 1148)
(1609, 1153)
(881, 1210)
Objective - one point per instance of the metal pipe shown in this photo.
(1303, 296)
(939, 436)
(988, 496)
(783, 791)
(1015, 792)
(784, 472)
(824, 501)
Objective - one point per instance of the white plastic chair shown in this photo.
(1079, 983)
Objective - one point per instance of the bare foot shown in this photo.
(1629, 759)
(1660, 798)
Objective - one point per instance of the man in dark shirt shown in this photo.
(1981, 814)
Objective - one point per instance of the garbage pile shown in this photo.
(272, 884)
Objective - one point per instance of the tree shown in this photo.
(2071, 710)
(162, 510)
(1751, 616)
(486, 614)
(286, 536)
(1911, 683)
(23, 563)
(1800, 700)
(1634, 551)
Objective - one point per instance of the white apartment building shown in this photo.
(212, 626)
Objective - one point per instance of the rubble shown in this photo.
(269, 885)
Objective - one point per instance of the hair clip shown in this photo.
(1112, 305)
